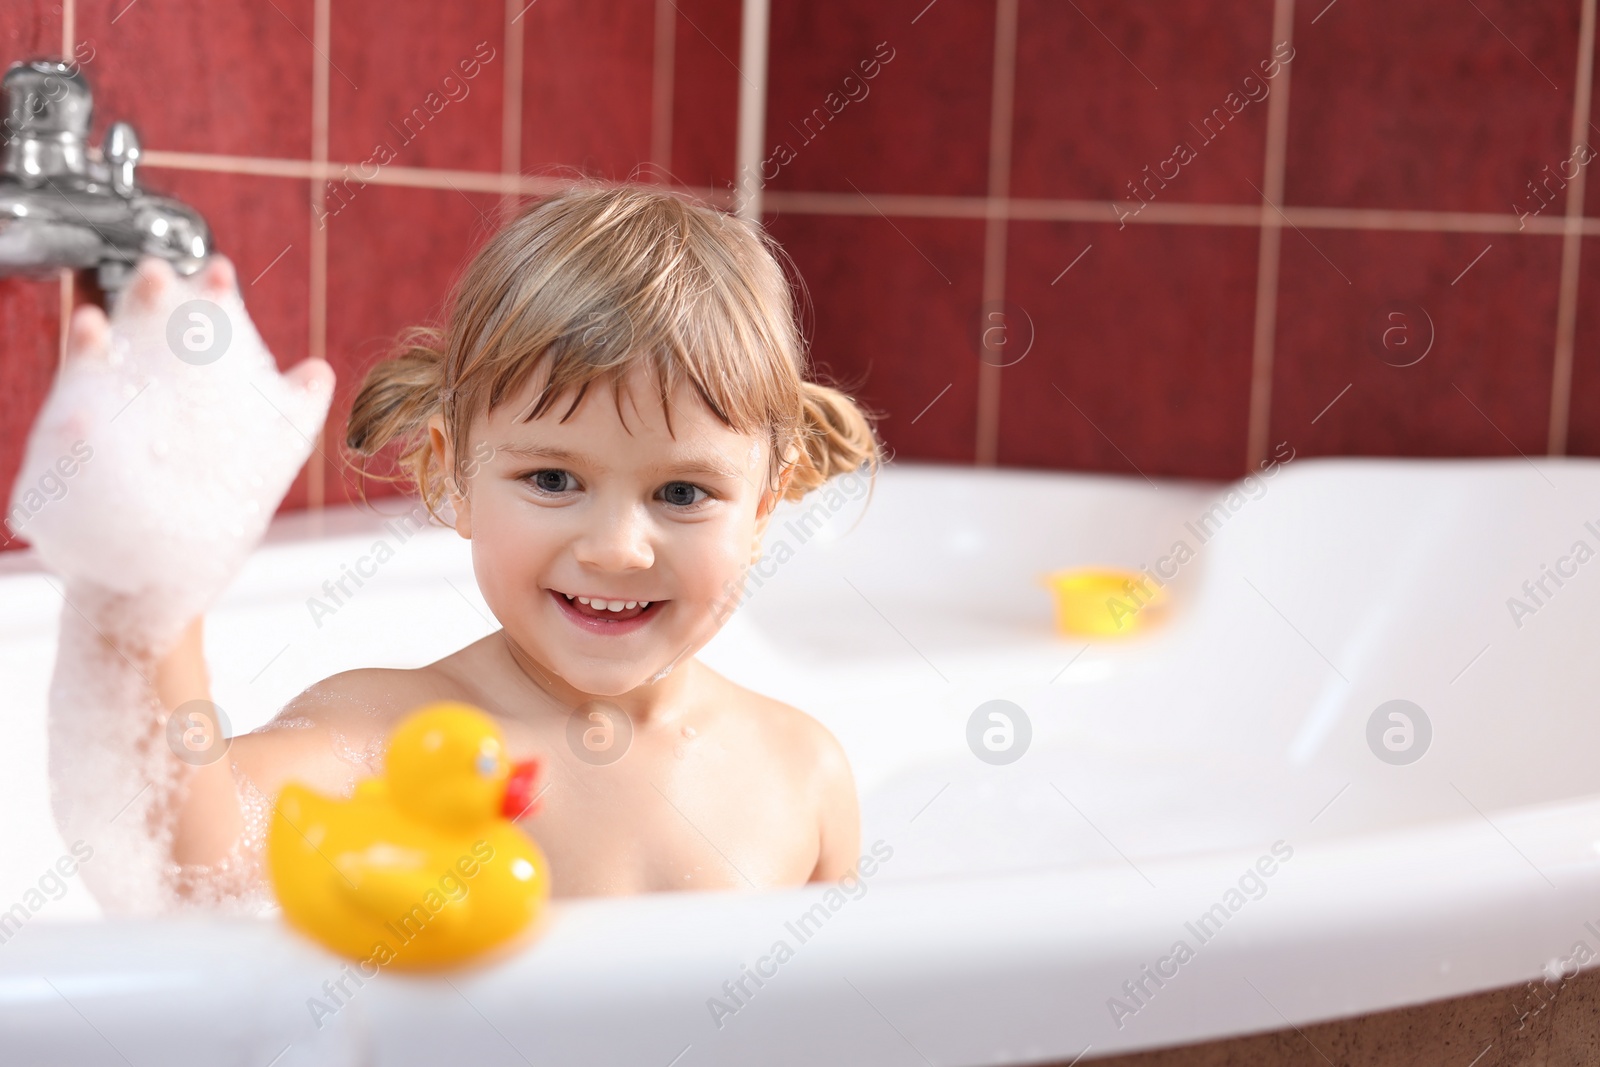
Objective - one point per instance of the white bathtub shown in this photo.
(1020, 898)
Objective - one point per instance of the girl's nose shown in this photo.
(618, 539)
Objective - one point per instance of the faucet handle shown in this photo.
(121, 153)
(48, 107)
(47, 97)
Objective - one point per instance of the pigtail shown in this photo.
(395, 401)
(836, 437)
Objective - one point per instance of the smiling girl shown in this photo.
(610, 414)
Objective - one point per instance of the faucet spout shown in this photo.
(64, 204)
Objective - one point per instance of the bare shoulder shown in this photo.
(372, 693)
(809, 744)
(816, 762)
(332, 734)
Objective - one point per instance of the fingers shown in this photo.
(311, 376)
(153, 279)
(88, 335)
(310, 384)
(217, 277)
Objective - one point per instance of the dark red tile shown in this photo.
(919, 124)
(705, 94)
(587, 80)
(393, 255)
(1583, 437)
(891, 316)
(233, 79)
(1105, 90)
(438, 108)
(1140, 358)
(29, 337)
(1354, 304)
(1427, 108)
(29, 28)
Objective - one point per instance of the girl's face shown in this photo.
(615, 511)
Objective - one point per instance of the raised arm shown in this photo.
(182, 438)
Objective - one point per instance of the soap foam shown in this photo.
(366, 754)
(188, 462)
(237, 882)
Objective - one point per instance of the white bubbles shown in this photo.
(109, 783)
(189, 459)
(366, 752)
(177, 465)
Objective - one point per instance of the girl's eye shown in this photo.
(551, 481)
(682, 494)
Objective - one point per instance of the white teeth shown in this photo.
(608, 605)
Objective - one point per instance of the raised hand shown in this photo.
(154, 466)
(166, 444)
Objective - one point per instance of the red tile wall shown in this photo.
(387, 58)
(1094, 183)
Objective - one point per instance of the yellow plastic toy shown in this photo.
(423, 865)
(1105, 602)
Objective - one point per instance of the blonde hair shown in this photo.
(592, 283)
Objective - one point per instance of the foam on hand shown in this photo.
(183, 439)
(191, 434)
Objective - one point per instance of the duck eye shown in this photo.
(486, 764)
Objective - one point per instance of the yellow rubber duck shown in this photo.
(1101, 602)
(423, 866)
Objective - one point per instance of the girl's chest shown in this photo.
(664, 817)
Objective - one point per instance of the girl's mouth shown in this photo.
(597, 617)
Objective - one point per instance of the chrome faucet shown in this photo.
(63, 204)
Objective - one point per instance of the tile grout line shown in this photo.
(662, 89)
(913, 205)
(1001, 108)
(69, 30)
(1571, 246)
(754, 45)
(317, 315)
(1262, 350)
(1157, 213)
(457, 181)
(511, 108)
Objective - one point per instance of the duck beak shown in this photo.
(520, 797)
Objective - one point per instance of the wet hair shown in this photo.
(589, 285)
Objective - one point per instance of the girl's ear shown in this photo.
(769, 500)
(443, 458)
(791, 463)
